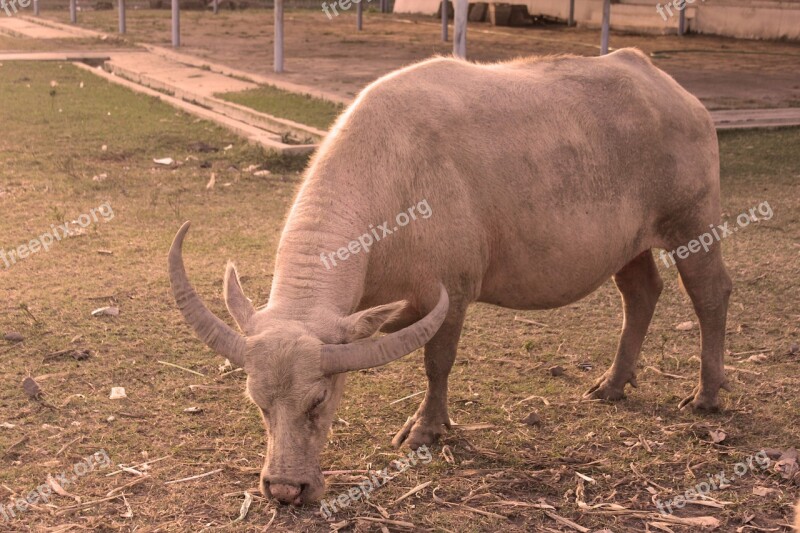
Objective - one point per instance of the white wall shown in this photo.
(752, 20)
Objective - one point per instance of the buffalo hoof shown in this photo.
(701, 402)
(604, 389)
(420, 431)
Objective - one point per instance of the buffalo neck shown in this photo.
(318, 267)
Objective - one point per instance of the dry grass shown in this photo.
(499, 477)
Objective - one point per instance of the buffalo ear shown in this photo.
(367, 322)
(239, 306)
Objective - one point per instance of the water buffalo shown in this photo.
(542, 178)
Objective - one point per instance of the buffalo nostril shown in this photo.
(284, 493)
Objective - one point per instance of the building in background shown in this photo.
(747, 19)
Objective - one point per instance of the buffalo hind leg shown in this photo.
(708, 285)
(431, 419)
(640, 286)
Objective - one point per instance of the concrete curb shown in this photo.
(254, 135)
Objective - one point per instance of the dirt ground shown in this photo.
(71, 143)
(329, 54)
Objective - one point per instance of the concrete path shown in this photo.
(756, 118)
(21, 27)
(161, 73)
(86, 57)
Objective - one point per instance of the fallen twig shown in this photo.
(742, 370)
(534, 397)
(532, 322)
(567, 522)
(140, 465)
(412, 492)
(407, 397)
(271, 520)
(245, 508)
(665, 374)
(82, 506)
(67, 445)
(192, 478)
(466, 507)
(135, 481)
(398, 523)
(182, 368)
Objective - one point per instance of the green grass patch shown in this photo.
(302, 108)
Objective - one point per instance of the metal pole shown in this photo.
(121, 16)
(460, 31)
(360, 15)
(73, 11)
(278, 36)
(215, 3)
(36, 7)
(682, 21)
(606, 23)
(445, 12)
(571, 19)
(176, 24)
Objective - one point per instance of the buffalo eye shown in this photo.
(316, 403)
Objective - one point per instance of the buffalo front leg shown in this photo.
(640, 286)
(709, 286)
(431, 419)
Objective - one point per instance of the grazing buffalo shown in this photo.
(525, 184)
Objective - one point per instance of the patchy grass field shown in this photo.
(496, 472)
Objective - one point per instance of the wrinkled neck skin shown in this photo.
(323, 220)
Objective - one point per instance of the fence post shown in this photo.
(278, 36)
(176, 24)
(606, 24)
(73, 11)
(121, 16)
(445, 13)
(460, 25)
